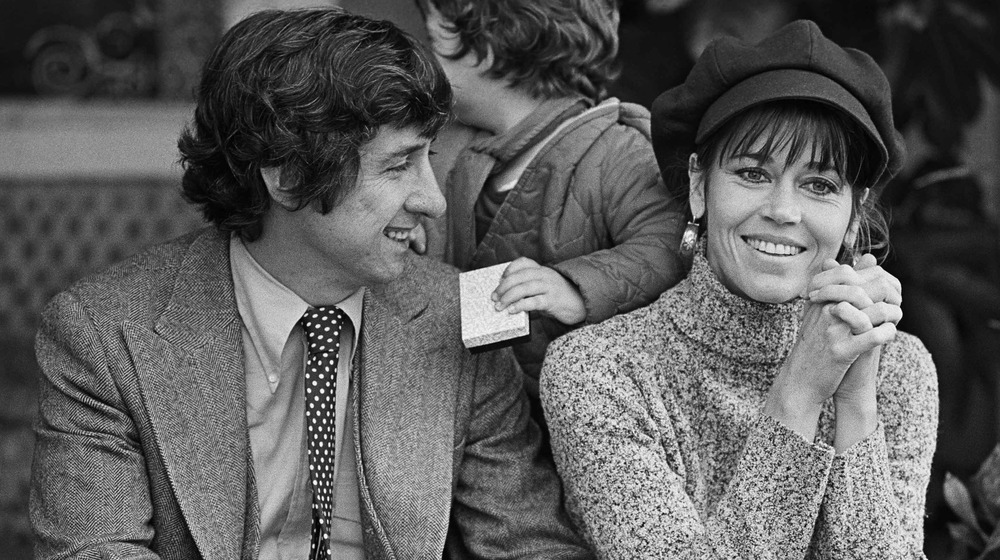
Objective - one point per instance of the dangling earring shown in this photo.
(689, 238)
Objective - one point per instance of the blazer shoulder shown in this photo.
(144, 280)
(426, 287)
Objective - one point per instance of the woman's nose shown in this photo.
(782, 205)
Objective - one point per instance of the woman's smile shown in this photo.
(771, 222)
(773, 248)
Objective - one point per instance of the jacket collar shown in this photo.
(532, 129)
(404, 428)
(190, 371)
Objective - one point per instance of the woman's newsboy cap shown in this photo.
(796, 62)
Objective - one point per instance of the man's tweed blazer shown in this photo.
(142, 441)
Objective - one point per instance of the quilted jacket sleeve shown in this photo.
(618, 181)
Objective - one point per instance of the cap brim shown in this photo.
(788, 83)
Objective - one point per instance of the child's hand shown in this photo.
(528, 286)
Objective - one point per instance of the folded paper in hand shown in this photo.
(481, 323)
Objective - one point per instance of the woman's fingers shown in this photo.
(863, 320)
(866, 260)
(857, 320)
(856, 296)
(878, 284)
(878, 336)
(833, 273)
(882, 286)
(883, 312)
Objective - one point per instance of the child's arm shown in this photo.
(529, 286)
(641, 226)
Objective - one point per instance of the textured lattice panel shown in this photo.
(55, 232)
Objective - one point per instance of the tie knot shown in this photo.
(323, 326)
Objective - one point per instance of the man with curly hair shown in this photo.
(290, 382)
(559, 179)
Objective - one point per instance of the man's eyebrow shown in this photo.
(404, 151)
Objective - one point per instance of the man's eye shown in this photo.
(399, 168)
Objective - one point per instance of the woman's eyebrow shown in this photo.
(760, 157)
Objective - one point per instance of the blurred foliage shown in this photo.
(976, 534)
(937, 54)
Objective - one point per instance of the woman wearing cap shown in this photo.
(765, 407)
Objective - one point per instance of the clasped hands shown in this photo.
(850, 313)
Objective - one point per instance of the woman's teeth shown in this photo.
(773, 248)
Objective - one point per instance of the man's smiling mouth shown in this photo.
(401, 235)
(774, 249)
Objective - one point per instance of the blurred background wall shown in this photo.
(93, 95)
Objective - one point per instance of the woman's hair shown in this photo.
(837, 142)
(549, 48)
(302, 90)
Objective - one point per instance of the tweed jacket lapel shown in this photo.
(191, 375)
(404, 417)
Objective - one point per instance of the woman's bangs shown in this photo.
(765, 131)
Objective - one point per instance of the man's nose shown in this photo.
(427, 197)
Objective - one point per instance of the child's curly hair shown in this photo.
(550, 48)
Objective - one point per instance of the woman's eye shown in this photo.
(752, 174)
(823, 187)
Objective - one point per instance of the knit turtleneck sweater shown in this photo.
(659, 436)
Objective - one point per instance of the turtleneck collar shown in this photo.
(729, 324)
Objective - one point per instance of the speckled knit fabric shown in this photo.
(664, 452)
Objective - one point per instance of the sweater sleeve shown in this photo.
(874, 503)
(643, 224)
(625, 478)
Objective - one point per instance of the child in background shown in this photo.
(557, 179)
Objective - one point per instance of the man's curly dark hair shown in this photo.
(301, 90)
(550, 48)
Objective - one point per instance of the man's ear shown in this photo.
(275, 181)
(696, 187)
(488, 60)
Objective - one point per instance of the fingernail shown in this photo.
(497, 306)
(812, 294)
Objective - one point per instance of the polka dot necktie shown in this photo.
(322, 326)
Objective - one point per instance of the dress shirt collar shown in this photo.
(271, 311)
